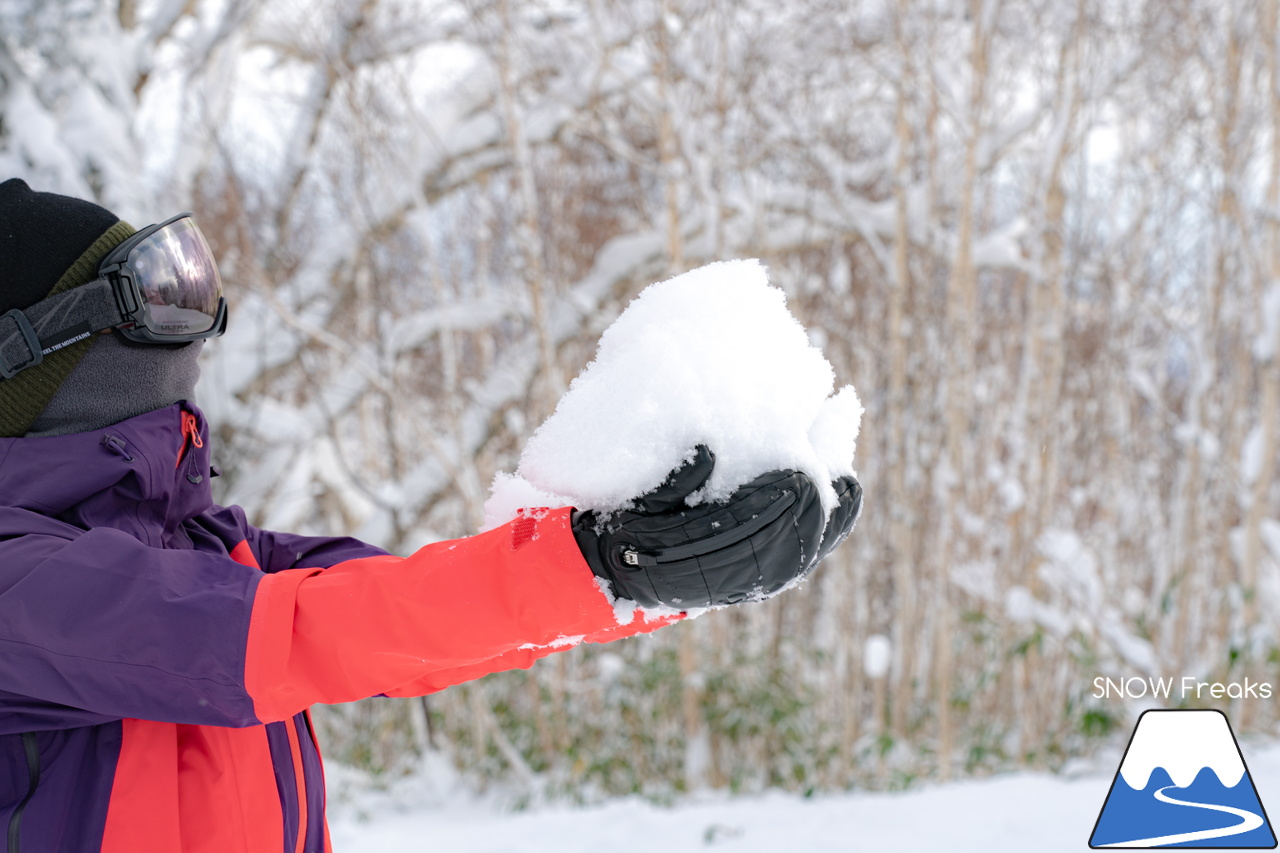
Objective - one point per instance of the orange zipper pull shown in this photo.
(190, 435)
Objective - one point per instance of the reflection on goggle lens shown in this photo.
(178, 278)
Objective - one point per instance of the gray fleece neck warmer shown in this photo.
(115, 381)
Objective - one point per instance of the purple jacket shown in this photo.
(158, 654)
(106, 613)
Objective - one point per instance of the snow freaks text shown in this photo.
(1187, 687)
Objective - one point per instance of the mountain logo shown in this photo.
(1182, 783)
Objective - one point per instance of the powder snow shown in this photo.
(711, 357)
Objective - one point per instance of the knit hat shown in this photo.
(48, 244)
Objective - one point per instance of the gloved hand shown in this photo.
(664, 552)
(843, 517)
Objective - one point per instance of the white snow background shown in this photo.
(1012, 813)
(711, 357)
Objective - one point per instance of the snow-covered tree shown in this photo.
(1040, 237)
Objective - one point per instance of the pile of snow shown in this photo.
(711, 357)
(1013, 813)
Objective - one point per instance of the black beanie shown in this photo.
(48, 243)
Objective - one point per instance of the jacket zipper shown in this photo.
(304, 794)
(190, 439)
(33, 775)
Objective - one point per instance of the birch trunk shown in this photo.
(898, 501)
(1268, 365)
(957, 389)
(527, 234)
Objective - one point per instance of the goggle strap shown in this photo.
(56, 322)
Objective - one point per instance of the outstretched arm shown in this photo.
(452, 611)
(97, 623)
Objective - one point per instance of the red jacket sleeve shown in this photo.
(450, 612)
(523, 658)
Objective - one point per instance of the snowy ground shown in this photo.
(1007, 814)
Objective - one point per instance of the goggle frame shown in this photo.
(123, 276)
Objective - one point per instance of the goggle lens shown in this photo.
(178, 278)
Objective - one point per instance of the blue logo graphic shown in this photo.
(1183, 783)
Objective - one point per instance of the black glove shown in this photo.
(664, 552)
(843, 517)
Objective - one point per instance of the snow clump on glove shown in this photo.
(711, 357)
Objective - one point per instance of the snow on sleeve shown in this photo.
(512, 493)
(711, 357)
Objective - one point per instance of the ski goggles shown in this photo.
(160, 286)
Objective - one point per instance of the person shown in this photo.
(158, 653)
